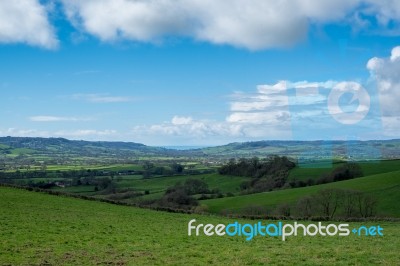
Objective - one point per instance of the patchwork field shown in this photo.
(40, 229)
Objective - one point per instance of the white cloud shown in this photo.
(187, 126)
(395, 54)
(385, 72)
(251, 24)
(206, 132)
(308, 85)
(272, 118)
(26, 21)
(270, 105)
(45, 118)
(102, 98)
(258, 102)
(266, 96)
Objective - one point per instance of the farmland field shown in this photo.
(40, 229)
(385, 186)
(224, 183)
(306, 171)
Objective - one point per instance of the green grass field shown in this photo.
(386, 187)
(41, 229)
(224, 183)
(304, 172)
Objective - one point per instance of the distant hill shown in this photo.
(45, 149)
(47, 143)
(50, 148)
(53, 145)
(312, 150)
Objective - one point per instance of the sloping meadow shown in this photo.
(38, 229)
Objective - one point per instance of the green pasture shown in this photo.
(40, 229)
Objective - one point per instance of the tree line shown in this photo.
(266, 174)
(326, 204)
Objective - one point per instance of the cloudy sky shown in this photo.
(200, 72)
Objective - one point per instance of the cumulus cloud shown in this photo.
(26, 21)
(187, 126)
(250, 24)
(46, 118)
(385, 72)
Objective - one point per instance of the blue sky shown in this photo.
(200, 72)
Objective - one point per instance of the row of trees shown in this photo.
(344, 172)
(332, 203)
(150, 169)
(327, 204)
(257, 168)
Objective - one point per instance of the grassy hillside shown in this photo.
(386, 187)
(312, 171)
(40, 229)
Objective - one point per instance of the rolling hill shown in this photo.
(309, 150)
(386, 187)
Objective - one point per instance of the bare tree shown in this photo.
(283, 210)
(366, 205)
(305, 207)
(329, 200)
(349, 202)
